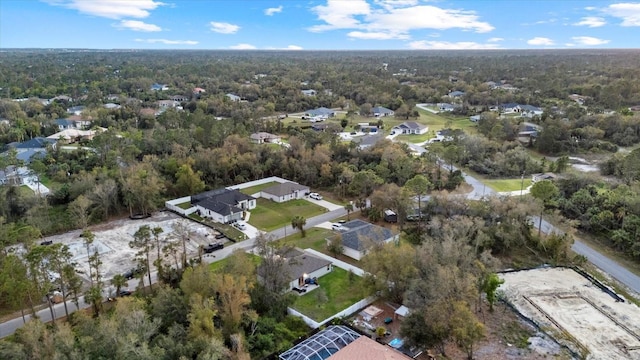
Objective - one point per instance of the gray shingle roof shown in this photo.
(360, 232)
(222, 201)
(285, 189)
(320, 111)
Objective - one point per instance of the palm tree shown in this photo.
(349, 209)
(298, 222)
(119, 281)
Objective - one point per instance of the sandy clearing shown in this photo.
(113, 239)
(576, 312)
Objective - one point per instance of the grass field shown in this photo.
(416, 139)
(270, 215)
(315, 239)
(254, 189)
(502, 185)
(215, 266)
(336, 293)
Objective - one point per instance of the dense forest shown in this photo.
(145, 152)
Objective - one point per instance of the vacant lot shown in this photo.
(576, 312)
(270, 215)
(337, 292)
(502, 185)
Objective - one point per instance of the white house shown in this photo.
(223, 205)
(360, 236)
(380, 111)
(309, 92)
(286, 191)
(264, 137)
(233, 97)
(445, 107)
(411, 127)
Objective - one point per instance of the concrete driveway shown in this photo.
(325, 204)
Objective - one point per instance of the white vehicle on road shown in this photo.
(315, 196)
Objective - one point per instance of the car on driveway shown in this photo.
(337, 227)
(240, 225)
(212, 247)
(125, 293)
(315, 196)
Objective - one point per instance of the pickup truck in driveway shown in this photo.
(207, 249)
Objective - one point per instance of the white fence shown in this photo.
(173, 206)
(346, 312)
(259, 182)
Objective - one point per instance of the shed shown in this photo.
(401, 312)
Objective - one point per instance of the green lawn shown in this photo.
(336, 293)
(254, 189)
(315, 239)
(26, 191)
(501, 185)
(184, 205)
(270, 215)
(416, 138)
(215, 266)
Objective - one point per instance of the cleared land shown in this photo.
(336, 293)
(270, 215)
(576, 312)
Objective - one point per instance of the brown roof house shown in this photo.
(365, 348)
(264, 137)
(286, 191)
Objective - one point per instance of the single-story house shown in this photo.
(411, 127)
(159, 87)
(199, 90)
(475, 118)
(70, 135)
(309, 92)
(530, 111)
(367, 140)
(64, 124)
(111, 106)
(61, 98)
(15, 175)
(180, 98)
(380, 111)
(285, 191)
(300, 266)
(366, 348)
(167, 104)
(264, 137)
(455, 94)
(233, 97)
(76, 110)
(113, 97)
(546, 176)
(323, 344)
(445, 107)
(319, 127)
(321, 111)
(359, 236)
(35, 143)
(223, 205)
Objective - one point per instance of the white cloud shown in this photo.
(293, 47)
(540, 41)
(243, 47)
(339, 14)
(168, 42)
(271, 11)
(591, 21)
(628, 12)
(590, 8)
(376, 35)
(495, 39)
(445, 45)
(137, 25)
(224, 28)
(589, 41)
(393, 19)
(112, 9)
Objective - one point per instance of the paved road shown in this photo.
(9, 327)
(604, 263)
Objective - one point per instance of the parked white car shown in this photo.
(337, 227)
(315, 196)
(240, 225)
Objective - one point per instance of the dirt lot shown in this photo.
(508, 337)
(576, 312)
(112, 241)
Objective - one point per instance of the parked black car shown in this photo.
(212, 247)
(131, 273)
(47, 242)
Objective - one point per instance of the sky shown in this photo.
(319, 25)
